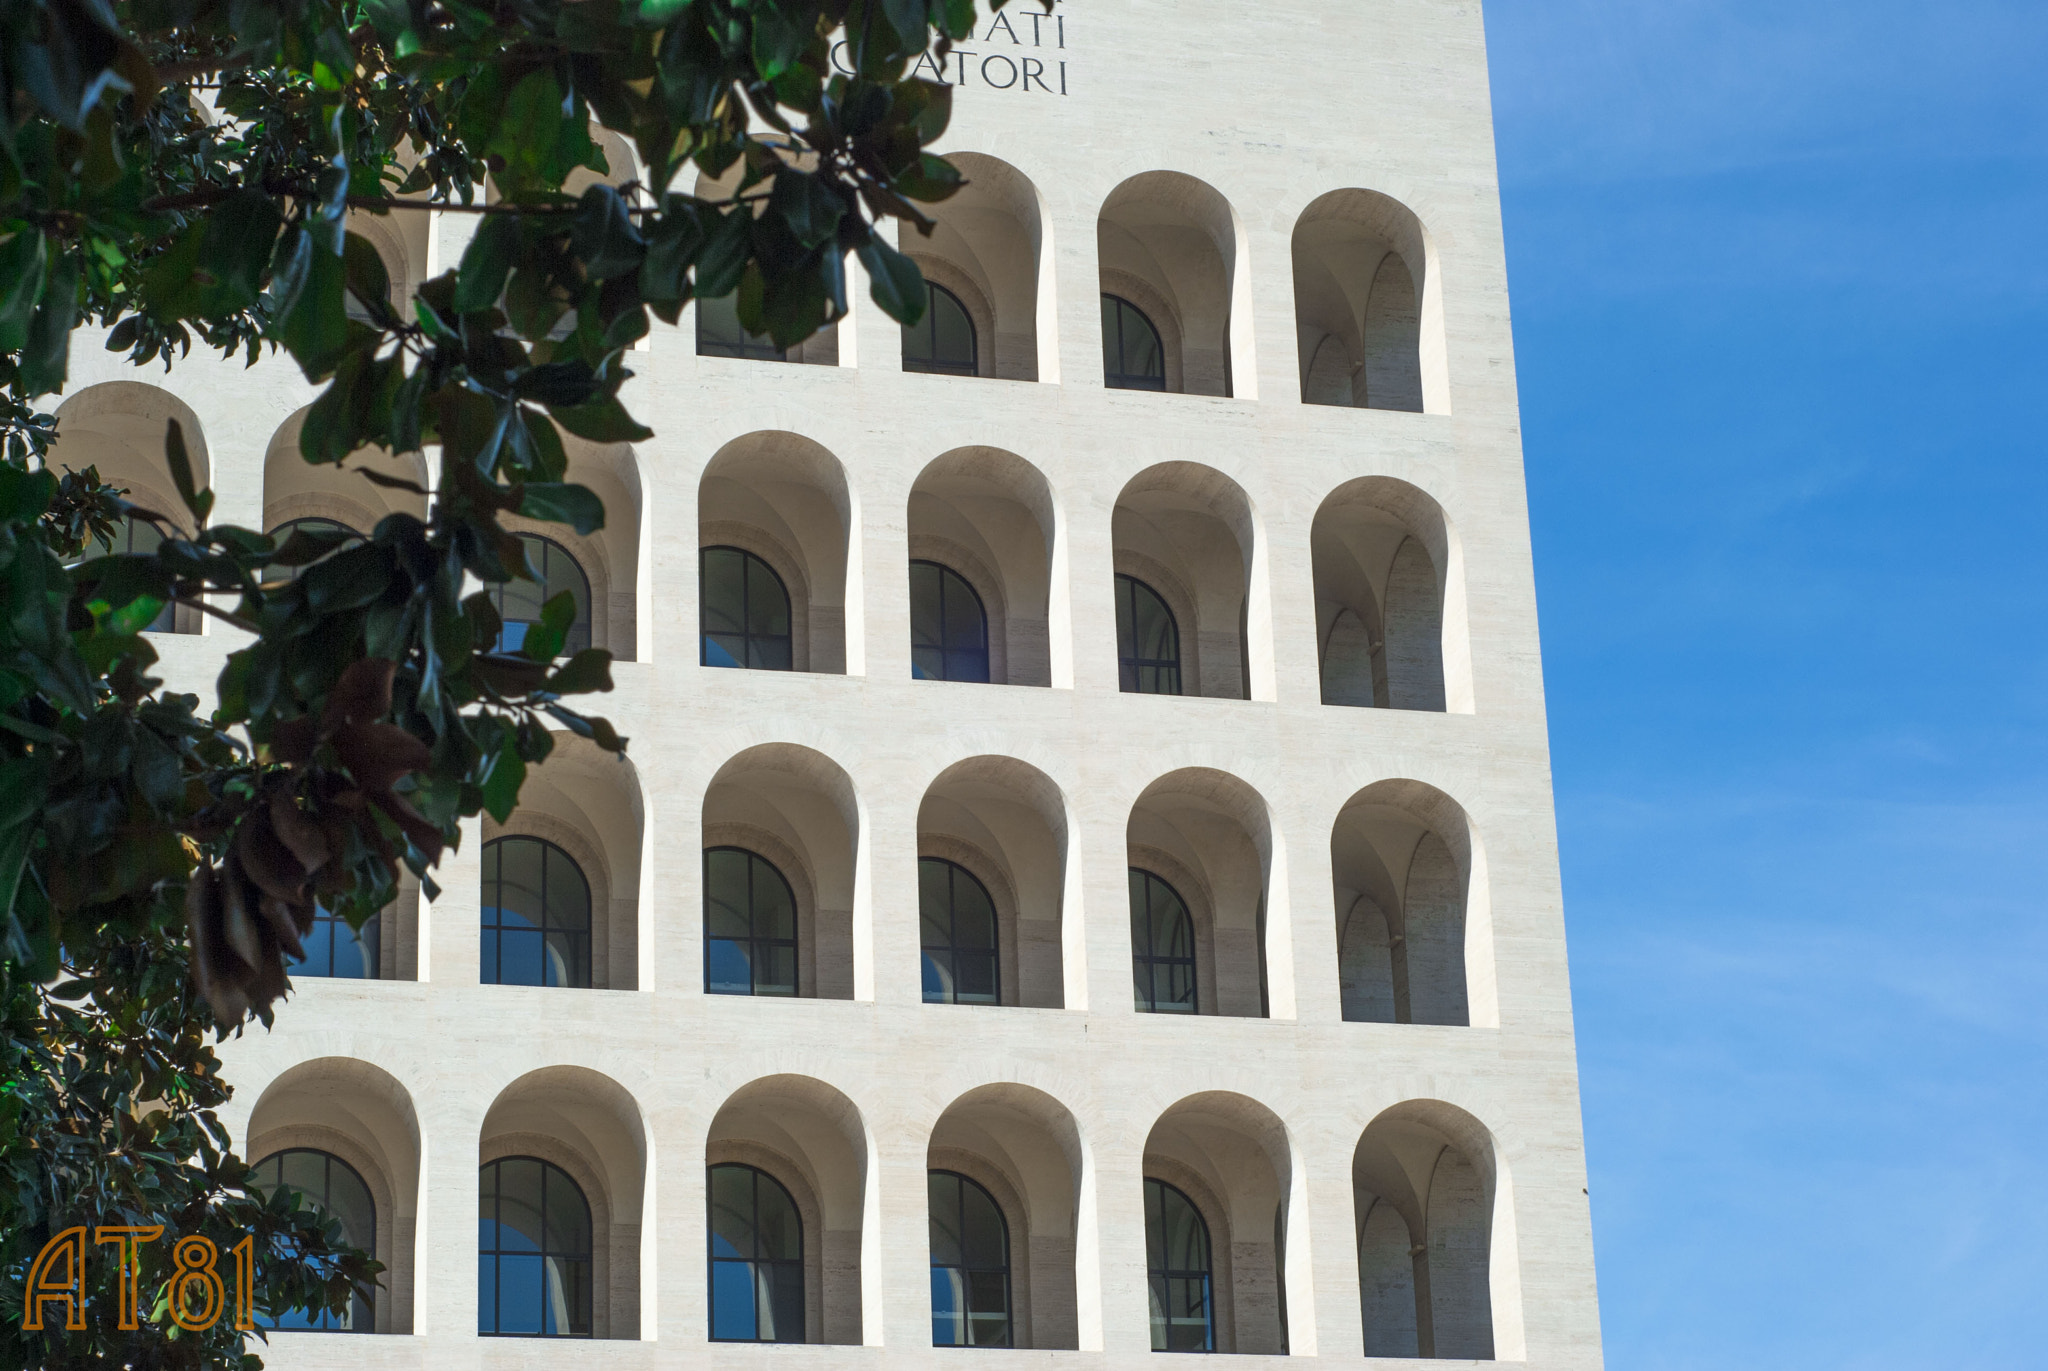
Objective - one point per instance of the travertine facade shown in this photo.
(1302, 197)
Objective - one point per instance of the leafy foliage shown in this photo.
(187, 173)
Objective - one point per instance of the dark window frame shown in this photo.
(363, 1307)
(1132, 669)
(966, 1272)
(581, 938)
(1160, 1277)
(748, 637)
(1115, 377)
(754, 940)
(585, 1271)
(713, 1261)
(1147, 960)
(945, 648)
(952, 948)
(579, 634)
(328, 930)
(931, 365)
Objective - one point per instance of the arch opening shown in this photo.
(1404, 868)
(1184, 540)
(1367, 308)
(1001, 824)
(1200, 847)
(1171, 250)
(1389, 606)
(783, 501)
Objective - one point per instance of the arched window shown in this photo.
(1147, 640)
(948, 626)
(749, 925)
(943, 340)
(140, 537)
(334, 949)
(970, 1264)
(536, 915)
(331, 1187)
(720, 334)
(1177, 1263)
(1162, 947)
(310, 524)
(533, 1252)
(519, 602)
(959, 920)
(1132, 358)
(744, 609)
(757, 1258)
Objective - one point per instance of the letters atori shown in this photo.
(1024, 49)
(195, 1293)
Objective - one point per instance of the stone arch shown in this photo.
(1230, 1155)
(1390, 599)
(1368, 307)
(989, 515)
(1414, 934)
(825, 348)
(361, 1114)
(1211, 837)
(1431, 1208)
(1025, 1148)
(592, 1128)
(588, 802)
(1005, 821)
(797, 808)
(1171, 243)
(401, 240)
(1190, 532)
(785, 499)
(990, 246)
(294, 488)
(119, 428)
(811, 1138)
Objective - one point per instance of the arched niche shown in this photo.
(1368, 307)
(1430, 1198)
(1189, 533)
(810, 1138)
(402, 239)
(294, 488)
(1024, 1148)
(1005, 822)
(1414, 934)
(989, 515)
(361, 1114)
(785, 499)
(1173, 247)
(989, 246)
(1230, 1155)
(717, 329)
(614, 558)
(1390, 599)
(1210, 836)
(119, 428)
(588, 803)
(797, 809)
(591, 1127)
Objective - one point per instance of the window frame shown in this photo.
(587, 1259)
(713, 1261)
(1114, 378)
(1157, 1275)
(546, 926)
(928, 324)
(1146, 960)
(581, 628)
(330, 928)
(788, 640)
(1130, 667)
(752, 347)
(753, 939)
(365, 1296)
(952, 948)
(945, 650)
(965, 1318)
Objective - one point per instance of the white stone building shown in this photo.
(1353, 1114)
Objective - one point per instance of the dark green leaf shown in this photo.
(560, 502)
(894, 281)
(602, 420)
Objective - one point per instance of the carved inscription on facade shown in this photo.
(1022, 49)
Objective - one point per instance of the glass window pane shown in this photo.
(942, 1196)
(727, 912)
(777, 1226)
(974, 917)
(981, 1224)
(723, 572)
(965, 624)
(519, 1227)
(732, 1300)
(974, 978)
(568, 1217)
(568, 894)
(786, 1302)
(767, 600)
(732, 1211)
(949, 1313)
(927, 618)
(519, 881)
(775, 970)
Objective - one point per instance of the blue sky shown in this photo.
(1779, 270)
